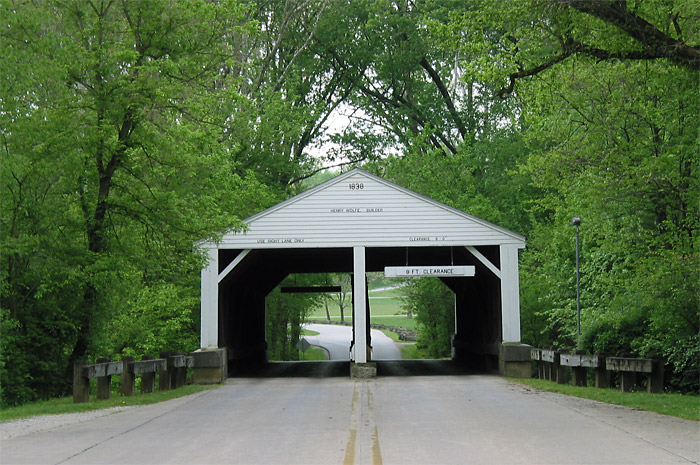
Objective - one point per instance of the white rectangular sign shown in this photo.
(441, 271)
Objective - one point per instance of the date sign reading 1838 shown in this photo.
(356, 186)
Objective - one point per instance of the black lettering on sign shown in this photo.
(356, 186)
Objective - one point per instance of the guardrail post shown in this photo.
(128, 377)
(547, 356)
(579, 373)
(148, 380)
(628, 378)
(602, 375)
(81, 384)
(104, 383)
(166, 378)
(655, 382)
(536, 356)
(182, 372)
(561, 372)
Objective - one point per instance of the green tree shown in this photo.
(285, 315)
(433, 305)
(110, 171)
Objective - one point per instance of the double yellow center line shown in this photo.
(363, 438)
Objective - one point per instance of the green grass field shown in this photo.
(385, 308)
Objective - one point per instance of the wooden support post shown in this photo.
(627, 381)
(166, 378)
(181, 373)
(104, 383)
(655, 382)
(579, 376)
(602, 375)
(547, 356)
(128, 379)
(148, 380)
(579, 373)
(81, 384)
(561, 371)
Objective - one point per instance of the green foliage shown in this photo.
(598, 124)
(285, 313)
(110, 173)
(432, 303)
(608, 146)
(132, 129)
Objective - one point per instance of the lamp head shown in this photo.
(576, 221)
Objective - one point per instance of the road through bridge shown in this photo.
(415, 419)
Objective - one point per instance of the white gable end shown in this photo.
(360, 209)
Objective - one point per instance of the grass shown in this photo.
(382, 311)
(313, 353)
(391, 335)
(677, 405)
(383, 304)
(66, 405)
(412, 352)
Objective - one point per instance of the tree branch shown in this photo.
(445, 96)
(505, 91)
(655, 42)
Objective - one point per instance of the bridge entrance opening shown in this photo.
(354, 225)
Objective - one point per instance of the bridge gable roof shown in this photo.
(358, 208)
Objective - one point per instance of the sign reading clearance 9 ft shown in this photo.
(433, 270)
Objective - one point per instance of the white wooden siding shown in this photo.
(379, 214)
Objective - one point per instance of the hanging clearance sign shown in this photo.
(439, 271)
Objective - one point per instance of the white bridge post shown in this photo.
(210, 301)
(359, 321)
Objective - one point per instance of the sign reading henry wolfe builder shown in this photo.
(440, 271)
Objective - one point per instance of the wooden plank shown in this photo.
(570, 360)
(178, 361)
(535, 354)
(190, 361)
(487, 263)
(234, 263)
(309, 289)
(639, 365)
(548, 356)
(590, 361)
(99, 370)
(148, 366)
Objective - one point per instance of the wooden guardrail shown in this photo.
(653, 368)
(554, 365)
(171, 370)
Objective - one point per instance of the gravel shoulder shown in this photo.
(15, 428)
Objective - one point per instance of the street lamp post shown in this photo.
(576, 221)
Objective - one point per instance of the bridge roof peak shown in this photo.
(357, 208)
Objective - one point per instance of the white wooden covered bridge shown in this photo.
(357, 223)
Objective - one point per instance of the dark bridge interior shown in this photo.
(243, 291)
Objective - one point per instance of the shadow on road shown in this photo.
(332, 369)
(423, 368)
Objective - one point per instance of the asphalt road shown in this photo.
(467, 419)
(336, 340)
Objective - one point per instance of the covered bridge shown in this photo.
(357, 223)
